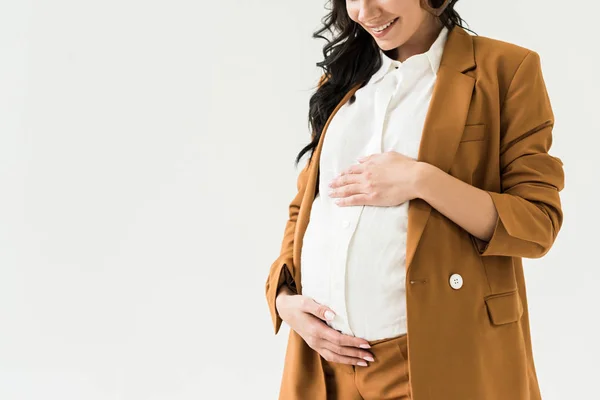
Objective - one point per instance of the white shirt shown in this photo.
(353, 257)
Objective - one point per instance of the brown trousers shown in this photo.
(386, 378)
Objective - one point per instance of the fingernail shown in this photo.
(369, 358)
(365, 346)
(362, 363)
(329, 315)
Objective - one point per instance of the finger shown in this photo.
(347, 351)
(333, 357)
(344, 178)
(356, 199)
(340, 339)
(320, 311)
(350, 189)
(354, 169)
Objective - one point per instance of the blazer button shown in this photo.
(456, 281)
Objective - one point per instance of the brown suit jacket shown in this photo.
(489, 124)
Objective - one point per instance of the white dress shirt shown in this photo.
(353, 257)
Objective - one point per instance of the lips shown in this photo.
(382, 33)
(380, 28)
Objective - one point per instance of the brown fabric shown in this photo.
(490, 125)
(386, 378)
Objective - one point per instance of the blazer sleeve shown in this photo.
(282, 270)
(528, 206)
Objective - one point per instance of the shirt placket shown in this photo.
(383, 96)
(348, 220)
(350, 215)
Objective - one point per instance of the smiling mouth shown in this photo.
(382, 28)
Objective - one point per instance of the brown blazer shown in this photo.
(489, 124)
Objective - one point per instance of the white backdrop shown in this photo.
(146, 166)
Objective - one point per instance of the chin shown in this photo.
(386, 47)
(388, 44)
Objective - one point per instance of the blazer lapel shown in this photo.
(444, 123)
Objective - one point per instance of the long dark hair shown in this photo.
(350, 57)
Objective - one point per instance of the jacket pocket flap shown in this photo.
(504, 308)
(473, 133)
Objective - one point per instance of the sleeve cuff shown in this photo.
(492, 246)
(281, 275)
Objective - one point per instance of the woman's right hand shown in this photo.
(306, 317)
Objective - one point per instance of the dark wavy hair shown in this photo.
(350, 57)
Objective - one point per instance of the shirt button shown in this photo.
(345, 223)
(456, 281)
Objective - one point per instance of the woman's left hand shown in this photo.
(381, 179)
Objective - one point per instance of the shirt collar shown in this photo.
(431, 57)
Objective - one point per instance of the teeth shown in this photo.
(380, 28)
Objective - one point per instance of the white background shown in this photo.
(146, 166)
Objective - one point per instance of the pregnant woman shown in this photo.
(429, 179)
